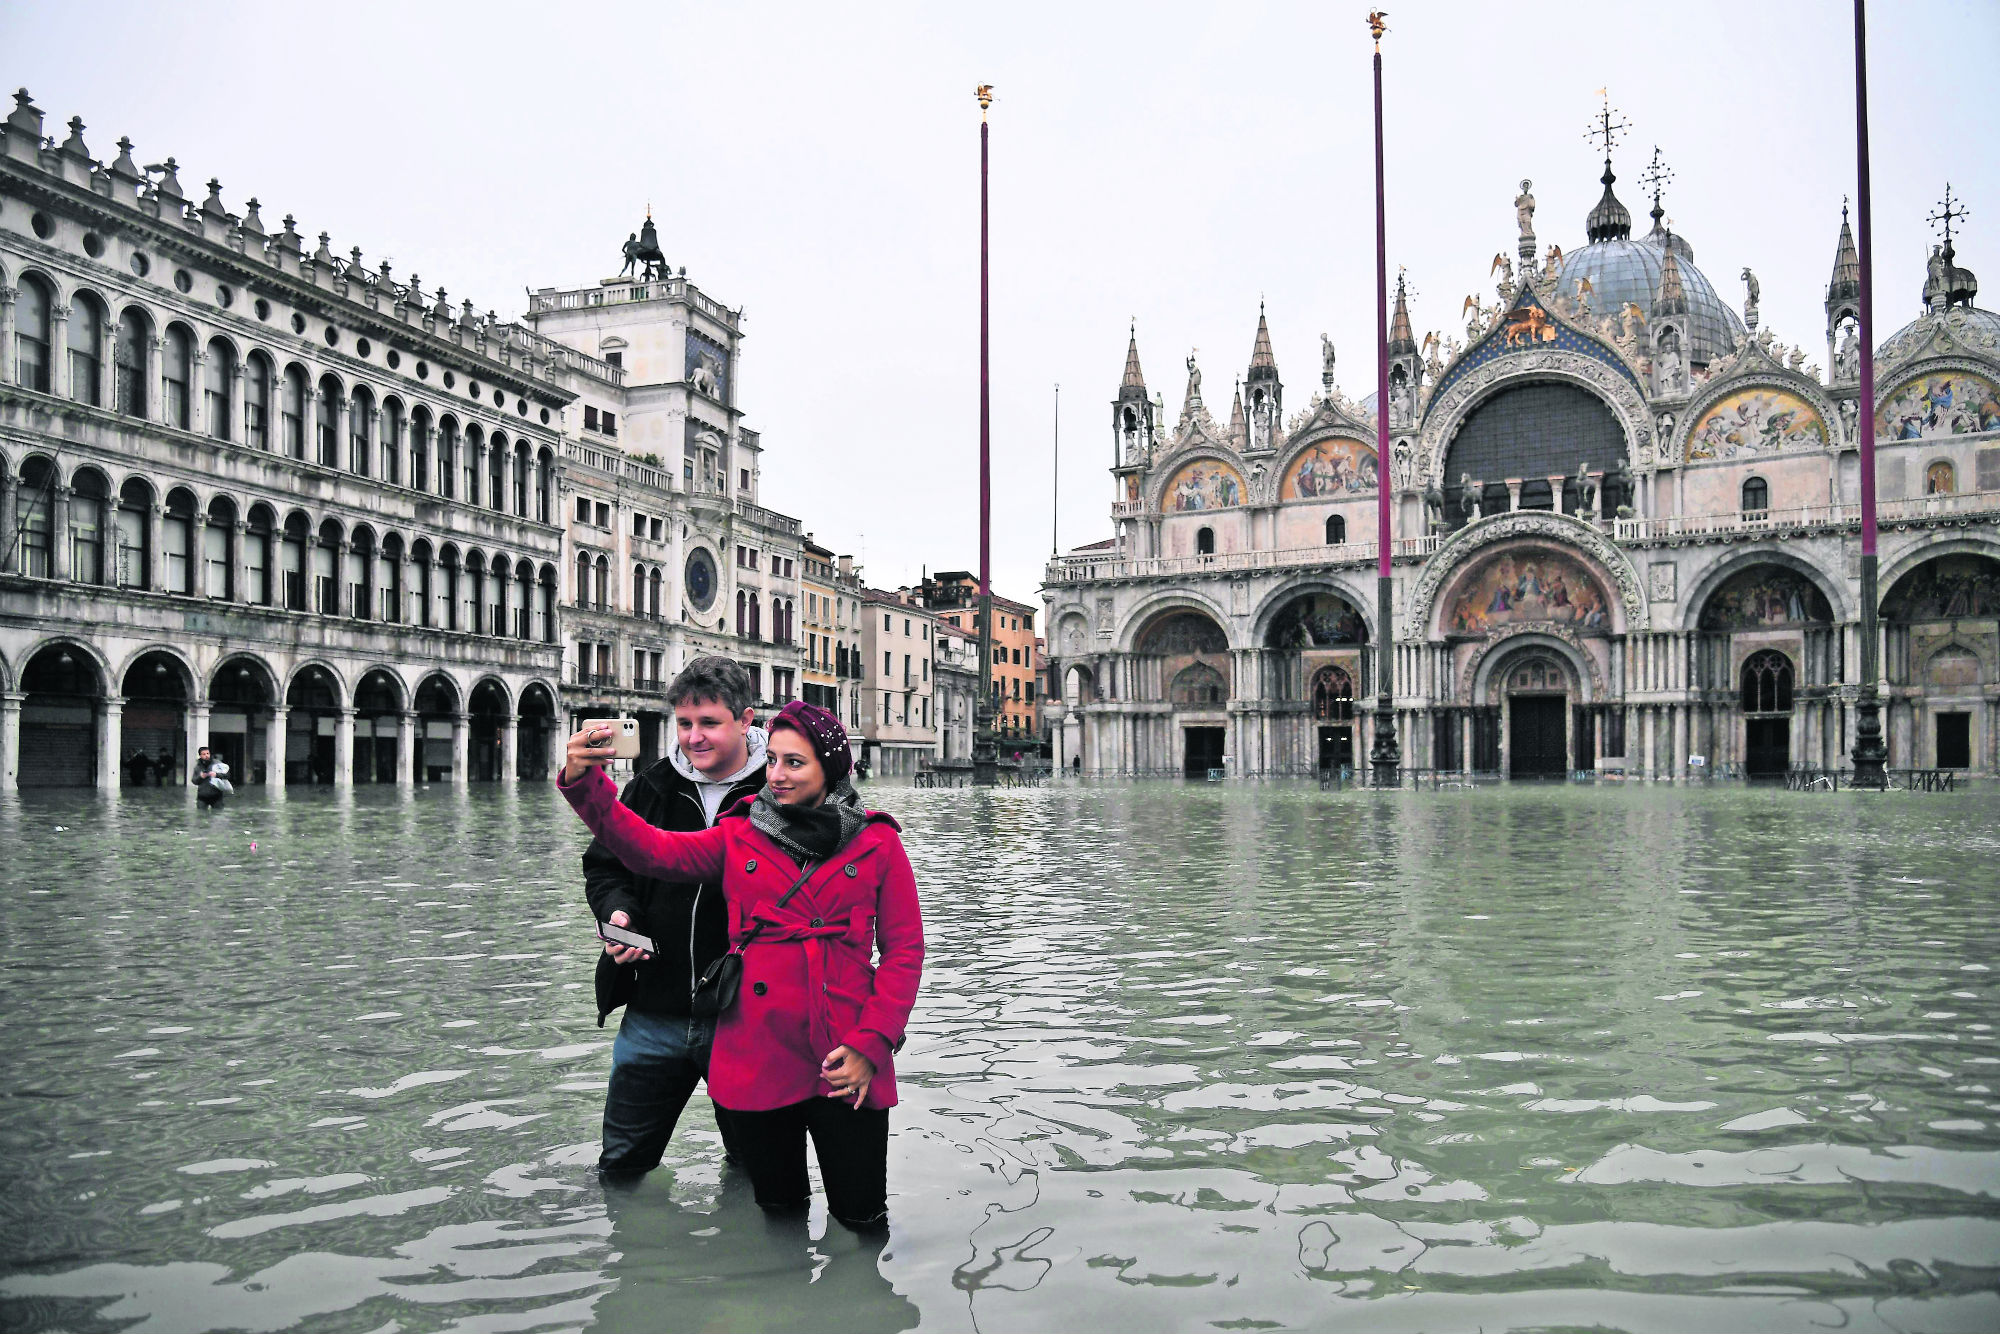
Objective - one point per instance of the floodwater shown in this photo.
(1228, 1057)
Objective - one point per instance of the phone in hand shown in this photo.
(624, 741)
(631, 940)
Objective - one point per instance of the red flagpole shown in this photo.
(1871, 754)
(1384, 757)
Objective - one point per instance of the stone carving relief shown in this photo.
(1660, 580)
(1106, 617)
(1504, 641)
(1550, 526)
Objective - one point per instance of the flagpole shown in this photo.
(1384, 758)
(1870, 754)
(985, 755)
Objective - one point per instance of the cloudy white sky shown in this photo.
(1172, 163)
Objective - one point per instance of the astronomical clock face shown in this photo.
(701, 579)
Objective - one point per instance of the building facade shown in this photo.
(259, 496)
(898, 717)
(1628, 538)
(667, 554)
(954, 595)
(957, 691)
(830, 654)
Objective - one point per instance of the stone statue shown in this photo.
(1847, 361)
(1433, 507)
(1524, 210)
(1400, 406)
(1586, 491)
(1505, 287)
(1326, 360)
(1673, 376)
(1468, 496)
(631, 254)
(1260, 423)
(1405, 468)
(1756, 290)
(1194, 378)
(644, 249)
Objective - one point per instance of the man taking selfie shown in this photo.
(662, 1048)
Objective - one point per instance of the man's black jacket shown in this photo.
(688, 923)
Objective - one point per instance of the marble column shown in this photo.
(7, 298)
(196, 716)
(343, 748)
(461, 749)
(1646, 714)
(239, 561)
(274, 748)
(58, 351)
(239, 424)
(406, 749)
(198, 391)
(110, 734)
(510, 754)
(59, 543)
(10, 739)
(1683, 737)
(156, 548)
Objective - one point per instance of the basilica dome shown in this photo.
(1621, 270)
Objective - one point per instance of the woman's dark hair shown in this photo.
(712, 678)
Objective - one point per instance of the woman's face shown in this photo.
(795, 775)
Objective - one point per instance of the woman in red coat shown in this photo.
(808, 1046)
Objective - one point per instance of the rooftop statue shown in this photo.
(642, 250)
(1524, 210)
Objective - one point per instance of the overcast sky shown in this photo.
(818, 166)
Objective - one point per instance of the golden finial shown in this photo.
(984, 92)
(1377, 25)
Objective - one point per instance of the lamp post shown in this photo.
(985, 758)
(1384, 758)
(1870, 753)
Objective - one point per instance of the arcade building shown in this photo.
(1627, 538)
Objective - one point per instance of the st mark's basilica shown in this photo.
(1627, 536)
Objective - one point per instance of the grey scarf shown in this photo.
(811, 833)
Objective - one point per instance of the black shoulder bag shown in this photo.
(716, 991)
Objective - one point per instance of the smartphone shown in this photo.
(624, 735)
(618, 935)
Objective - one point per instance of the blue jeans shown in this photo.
(656, 1061)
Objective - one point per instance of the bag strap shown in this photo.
(799, 884)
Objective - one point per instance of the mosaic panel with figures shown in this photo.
(1939, 405)
(1954, 587)
(1765, 596)
(1755, 421)
(1205, 484)
(1528, 585)
(1330, 468)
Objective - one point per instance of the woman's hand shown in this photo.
(585, 751)
(849, 1072)
(624, 953)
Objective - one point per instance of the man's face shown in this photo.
(201, 754)
(711, 736)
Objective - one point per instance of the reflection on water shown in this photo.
(1187, 1057)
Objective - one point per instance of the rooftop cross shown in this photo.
(1950, 211)
(1608, 125)
(1656, 178)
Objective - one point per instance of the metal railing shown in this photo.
(1082, 569)
(1842, 515)
(618, 294)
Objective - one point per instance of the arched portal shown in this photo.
(60, 718)
(537, 722)
(437, 723)
(1941, 640)
(1532, 433)
(1532, 722)
(241, 697)
(378, 707)
(154, 742)
(1333, 718)
(488, 711)
(313, 700)
(1182, 663)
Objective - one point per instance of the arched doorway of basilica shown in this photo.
(1315, 664)
(1183, 666)
(1941, 642)
(1333, 718)
(1533, 689)
(1766, 643)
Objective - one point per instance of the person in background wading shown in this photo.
(662, 1048)
(817, 887)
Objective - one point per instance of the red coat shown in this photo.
(808, 983)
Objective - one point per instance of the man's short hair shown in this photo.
(713, 678)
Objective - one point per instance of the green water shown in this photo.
(1186, 1058)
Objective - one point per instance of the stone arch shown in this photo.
(236, 663)
(1503, 652)
(1204, 452)
(89, 651)
(1736, 560)
(1893, 571)
(1141, 617)
(1272, 488)
(1072, 637)
(343, 690)
(1771, 377)
(1629, 607)
(1448, 412)
(1908, 375)
(1198, 685)
(191, 680)
(6, 668)
(507, 701)
(437, 692)
(1281, 597)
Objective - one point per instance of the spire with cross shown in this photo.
(1608, 126)
(1609, 220)
(1656, 178)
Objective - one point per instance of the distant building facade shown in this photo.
(1627, 539)
(898, 717)
(954, 595)
(957, 690)
(830, 654)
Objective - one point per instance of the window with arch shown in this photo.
(521, 479)
(1940, 478)
(293, 560)
(1336, 530)
(86, 350)
(389, 578)
(177, 543)
(472, 594)
(583, 578)
(1333, 695)
(326, 422)
(423, 610)
(1767, 682)
(496, 472)
(359, 576)
(496, 597)
(34, 518)
(32, 328)
(524, 599)
(638, 590)
(218, 538)
(360, 416)
(391, 445)
(129, 356)
(177, 376)
(326, 569)
(546, 606)
(1198, 684)
(257, 401)
(294, 412)
(545, 469)
(420, 449)
(257, 557)
(475, 445)
(1204, 541)
(742, 612)
(1756, 495)
(218, 384)
(135, 522)
(444, 591)
(89, 511)
(447, 460)
(602, 575)
(653, 584)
